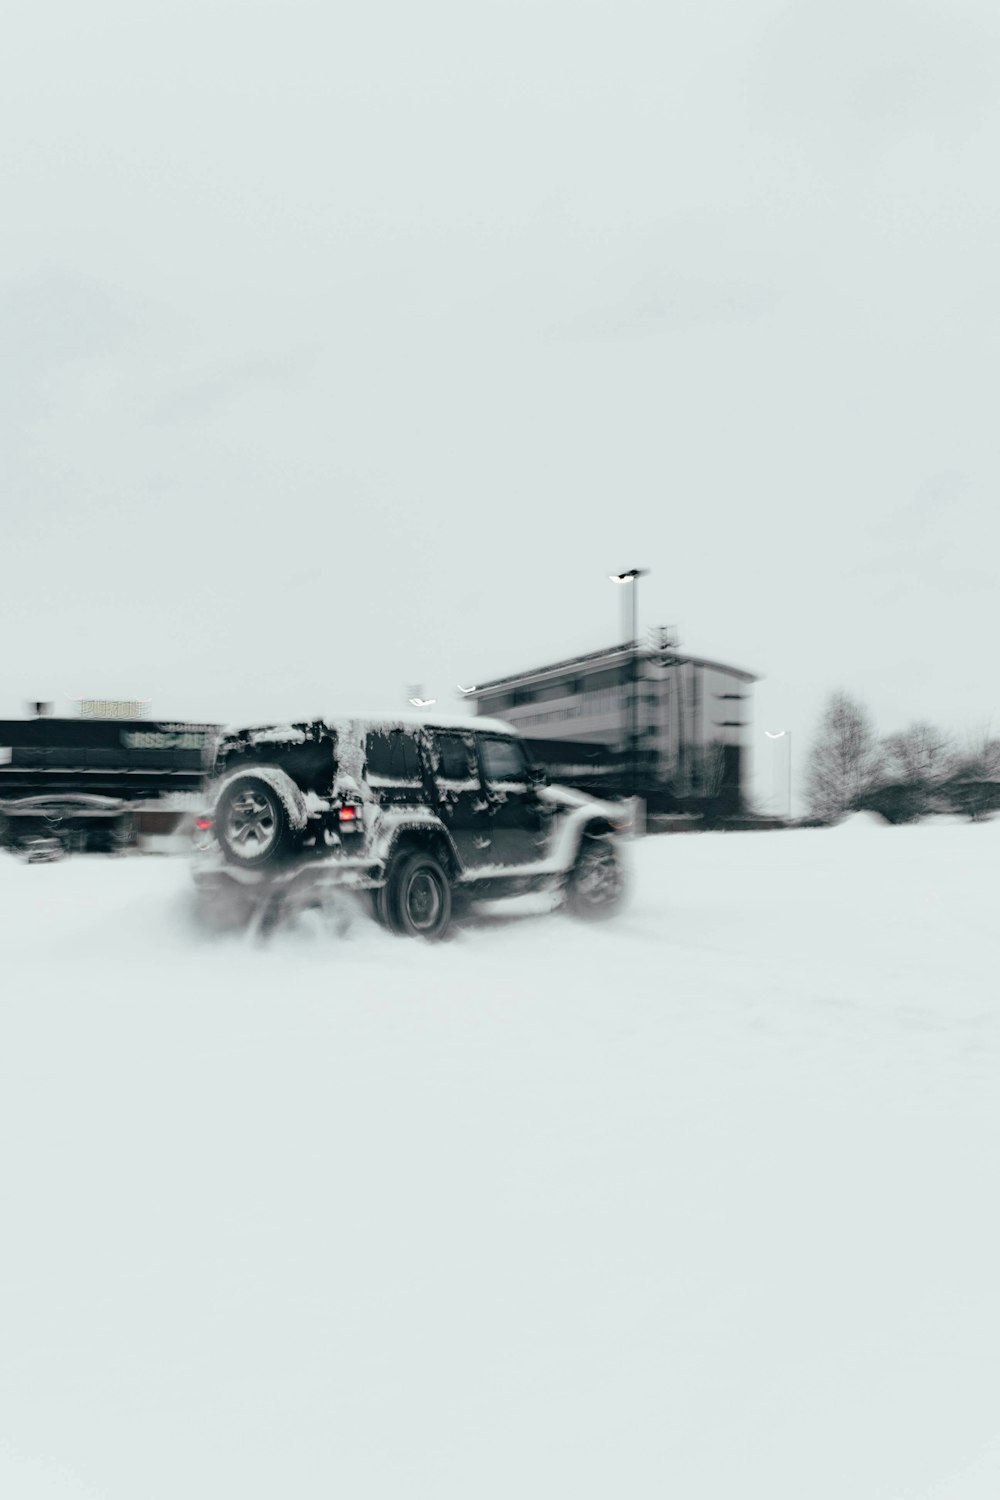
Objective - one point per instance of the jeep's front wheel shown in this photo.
(418, 897)
(252, 824)
(595, 887)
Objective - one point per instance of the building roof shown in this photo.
(609, 655)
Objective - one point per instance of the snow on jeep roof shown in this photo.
(286, 733)
(418, 719)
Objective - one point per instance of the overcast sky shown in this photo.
(347, 347)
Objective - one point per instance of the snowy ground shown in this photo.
(701, 1203)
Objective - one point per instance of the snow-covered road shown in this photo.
(700, 1203)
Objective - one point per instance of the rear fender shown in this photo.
(411, 836)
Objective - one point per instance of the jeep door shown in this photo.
(461, 802)
(519, 819)
(392, 767)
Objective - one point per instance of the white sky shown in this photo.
(348, 347)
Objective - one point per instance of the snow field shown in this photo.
(699, 1202)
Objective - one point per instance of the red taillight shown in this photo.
(347, 814)
(203, 823)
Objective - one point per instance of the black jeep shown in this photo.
(426, 814)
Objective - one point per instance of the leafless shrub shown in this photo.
(973, 788)
(921, 755)
(915, 765)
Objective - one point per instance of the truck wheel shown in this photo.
(595, 887)
(252, 825)
(418, 897)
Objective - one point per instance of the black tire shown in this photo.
(378, 905)
(595, 887)
(251, 824)
(418, 897)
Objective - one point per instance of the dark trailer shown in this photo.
(90, 778)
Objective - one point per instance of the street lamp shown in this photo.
(632, 577)
(780, 734)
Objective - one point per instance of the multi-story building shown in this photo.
(675, 727)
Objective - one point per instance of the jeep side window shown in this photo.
(503, 759)
(455, 758)
(392, 755)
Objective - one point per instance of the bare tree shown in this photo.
(921, 755)
(845, 761)
(714, 770)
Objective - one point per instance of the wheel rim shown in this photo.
(250, 824)
(423, 901)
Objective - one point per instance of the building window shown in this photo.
(546, 691)
(612, 677)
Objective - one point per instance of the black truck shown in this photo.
(97, 784)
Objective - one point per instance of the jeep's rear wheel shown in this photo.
(418, 897)
(251, 824)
